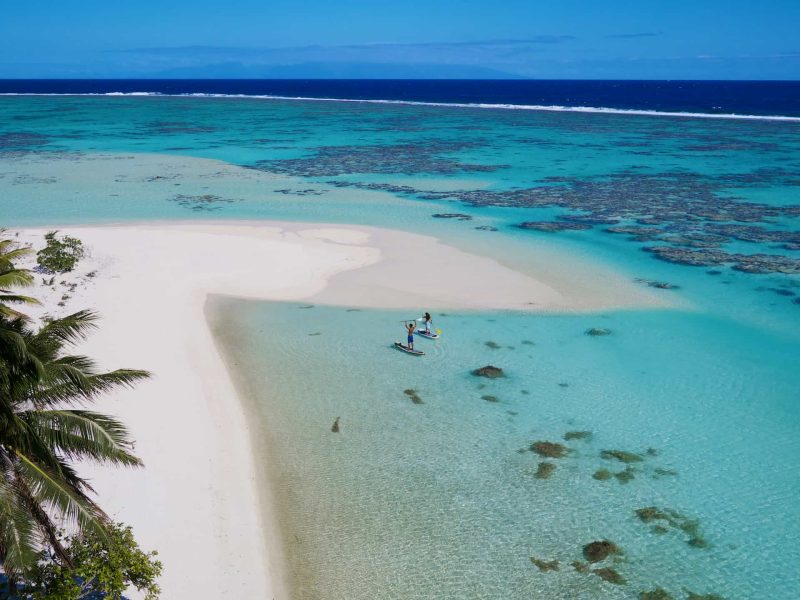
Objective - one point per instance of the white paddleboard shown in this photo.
(430, 336)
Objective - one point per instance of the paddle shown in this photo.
(438, 331)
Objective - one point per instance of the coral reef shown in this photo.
(545, 565)
(627, 475)
(545, 470)
(204, 202)
(610, 575)
(456, 216)
(675, 520)
(581, 567)
(656, 594)
(423, 156)
(549, 449)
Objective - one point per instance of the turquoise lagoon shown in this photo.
(441, 499)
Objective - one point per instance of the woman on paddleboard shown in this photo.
(410, 326)
(427, 318)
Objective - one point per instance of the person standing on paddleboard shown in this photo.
(410, 326)
(427, 318)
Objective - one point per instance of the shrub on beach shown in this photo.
(102, 566)
(59, 255)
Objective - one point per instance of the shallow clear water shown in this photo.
(440, 499)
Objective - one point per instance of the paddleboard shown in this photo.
(408, 350)
(430, 336)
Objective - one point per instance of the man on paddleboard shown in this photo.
(410, 326)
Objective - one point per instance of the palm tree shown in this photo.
(11, 277)
(12, 344)
(42, 434)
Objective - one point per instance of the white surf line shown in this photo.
(529, 107)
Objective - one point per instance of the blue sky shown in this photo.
(712, 39)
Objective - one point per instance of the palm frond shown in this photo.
(66, 330)
(18, 539)
(50, 490)
(10, 250)
(16, 298)
(44, 523)
(12, 277)
(80, 434)
(18, 367)
(42, 437)
(13, 348)
(70, 385)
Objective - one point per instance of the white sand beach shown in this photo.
(197, 501)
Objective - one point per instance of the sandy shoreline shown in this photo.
(197, 501)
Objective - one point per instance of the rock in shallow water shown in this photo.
(603, 475)
(610, 575)
(621, 455)
(661, 285)
(457, 216)
(489, 371)
(626, 476)
(545, 565)
(412, 393)
(598, 331)
(600, 550)
(335, 426)
(545, 470)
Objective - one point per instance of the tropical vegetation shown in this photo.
(101, 566)
(59, 255)
(12, 277)
(45, 430)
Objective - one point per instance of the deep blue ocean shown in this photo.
(773, 98)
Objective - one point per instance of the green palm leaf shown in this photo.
(42, 435)
(18, 539)
(50, 490)
(80, 434)
(67, 384)
(10, 278)
(66, 330)
(11, 250)
(16, 298)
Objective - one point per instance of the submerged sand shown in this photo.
(198, 500)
